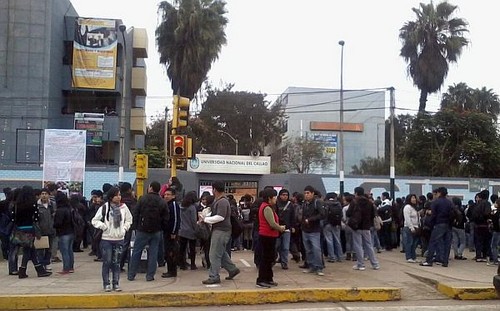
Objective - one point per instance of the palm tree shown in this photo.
(430, 42)
(189, 39)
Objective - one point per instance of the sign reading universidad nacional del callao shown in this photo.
(229, 164)
(94, 53)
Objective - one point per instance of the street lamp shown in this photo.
(233, 139)
(341, 138)
(122, 29)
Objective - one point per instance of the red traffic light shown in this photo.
(178, 145)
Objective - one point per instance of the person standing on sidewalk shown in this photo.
(116, 222)
(361, 213)
(170, 234)
(286, 214)
(220, 220)
(411, 229)
(130, 201)
(151, 215)
(311, 231)
(269, 230)
(46, 213)
(65, 232)
(440, 240)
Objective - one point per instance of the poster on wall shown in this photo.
(93, 123)
(94, 53)
(329, 143)
(64, 154)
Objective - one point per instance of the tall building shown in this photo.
(314, 114)
(62, 71)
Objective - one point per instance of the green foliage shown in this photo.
(189, 39)
(371, 166)
(430, 42)
(155, 135)
(156, 157)
(301, 153)
(245, 116)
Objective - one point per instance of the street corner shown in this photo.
(467, 292)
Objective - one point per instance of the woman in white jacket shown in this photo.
(114, 219)
(411, 229)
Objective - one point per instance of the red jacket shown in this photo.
(264, 227)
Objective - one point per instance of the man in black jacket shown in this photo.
(361, 213)
(151, 216)
(286, 215)
(312, 213)
(170, 240)
(131, 202)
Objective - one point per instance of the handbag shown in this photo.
(202, 231)
(22, 238)
(42, 243)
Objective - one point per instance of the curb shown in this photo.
(459, 292)
(205, 298)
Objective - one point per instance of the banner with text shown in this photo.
(64, 154)
(329, 142)
(94, 53)
(229, 164)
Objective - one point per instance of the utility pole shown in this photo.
(393, 167)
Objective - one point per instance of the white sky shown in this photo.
(274, 44)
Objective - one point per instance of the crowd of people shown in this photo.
(178, 229)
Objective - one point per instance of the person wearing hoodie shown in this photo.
(46, 213)
(385, 212)
(361, 213)
(189, 217)
(114, 221)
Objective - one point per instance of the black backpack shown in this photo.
(78, 222)
(334, 213)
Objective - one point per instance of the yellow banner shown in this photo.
(94, 53)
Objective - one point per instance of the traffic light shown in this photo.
(141, 166)
(181, 111)
(178, 146)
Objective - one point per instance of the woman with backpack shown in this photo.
(114, 219)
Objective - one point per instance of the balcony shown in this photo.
(139, 81)
(138, 121)
(140, 43)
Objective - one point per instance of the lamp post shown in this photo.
(341, 138)
(122, 29)
(232, 138)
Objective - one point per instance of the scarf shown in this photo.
(116, 214)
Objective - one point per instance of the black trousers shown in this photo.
(171, 248)
(268, 256)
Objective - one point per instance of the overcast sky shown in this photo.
(274, 44)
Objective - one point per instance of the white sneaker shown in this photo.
(107, 288)
(48, 267)
(411, 260)
(356, 267)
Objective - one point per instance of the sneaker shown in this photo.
(308, 271)
(360, 268)
(411, 260)
(262, 285)
(233, 274)
(331, 260)
(211, 281)
(117, 288)
(64, 272)
(107, 288)
(48, 267)
(320, 273)
(71, 270)
(492, 263)
(377, 267)
(426, 264)
(56, 259)
(168, 275)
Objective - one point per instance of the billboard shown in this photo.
(329, 141)
(64, 154)
(94, 53)
(93, 123)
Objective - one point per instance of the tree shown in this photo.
(189, 39)
(300, 154)
(245, 116)
(371, 166)
(430, 42)
(462, 98)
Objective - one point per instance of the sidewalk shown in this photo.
(394, 281)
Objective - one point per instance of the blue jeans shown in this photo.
(333, 245)
(458, 241)
(218, 254)
(410, 242)
(375, 239)
(66, 249)
(439, 243)
(283, 246)
(141, 240)
(495, 242)
(111, 252)
(13, 257)
(312, 245)
(362, 245)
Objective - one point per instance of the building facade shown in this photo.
(314, 113)
(45, 85)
